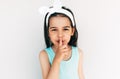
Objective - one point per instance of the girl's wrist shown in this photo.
(57, 60)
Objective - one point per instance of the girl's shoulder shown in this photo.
(43, 55)
(80, 50)
(44, 52)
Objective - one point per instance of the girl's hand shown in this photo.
(61, 51)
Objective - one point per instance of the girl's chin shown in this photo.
(57, 43)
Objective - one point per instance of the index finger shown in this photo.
(60, 42)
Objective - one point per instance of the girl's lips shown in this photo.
(59, 42)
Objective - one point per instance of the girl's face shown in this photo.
(60, 28)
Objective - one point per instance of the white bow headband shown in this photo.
(57, 8)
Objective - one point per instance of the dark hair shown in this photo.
(73, 40)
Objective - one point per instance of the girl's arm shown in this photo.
(47, 71)
(53, 71)
(80, 66)
(44, 62)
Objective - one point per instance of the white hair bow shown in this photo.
(57, 5)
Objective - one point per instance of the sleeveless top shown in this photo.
(69, 68)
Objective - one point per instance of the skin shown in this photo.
(60, 32)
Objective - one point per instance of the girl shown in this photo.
(62, 59)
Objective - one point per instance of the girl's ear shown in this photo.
(73, 30)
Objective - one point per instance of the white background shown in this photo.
(21, 37)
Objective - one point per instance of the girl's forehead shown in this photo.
(52, 27)
(59, 21)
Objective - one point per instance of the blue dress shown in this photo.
(69, 68)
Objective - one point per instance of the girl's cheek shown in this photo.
(67, 35)
(67, 38)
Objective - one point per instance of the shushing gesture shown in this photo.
(62, 51)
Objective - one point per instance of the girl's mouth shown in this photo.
(59, 41)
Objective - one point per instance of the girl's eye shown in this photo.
(54, 30)
(66, 29)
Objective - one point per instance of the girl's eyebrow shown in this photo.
(63, 27)
(52, 27)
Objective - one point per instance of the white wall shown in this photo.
(21, 37)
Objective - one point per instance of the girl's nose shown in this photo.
(60, 34)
